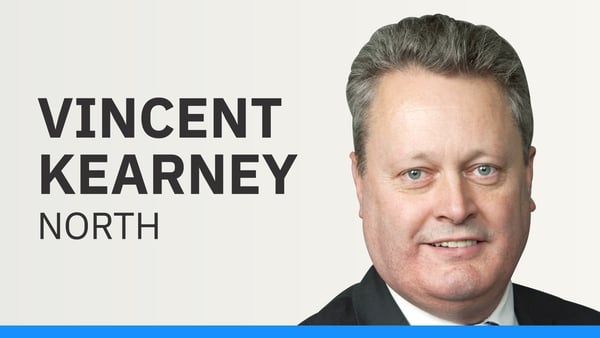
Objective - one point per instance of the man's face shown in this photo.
(445, 199)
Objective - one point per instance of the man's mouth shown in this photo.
(455, 244)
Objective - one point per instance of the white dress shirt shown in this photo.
(503, 314)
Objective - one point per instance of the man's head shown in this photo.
(442, 125)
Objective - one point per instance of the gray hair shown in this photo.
(442, 45)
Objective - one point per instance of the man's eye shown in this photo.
(485, 170)
(414, 174)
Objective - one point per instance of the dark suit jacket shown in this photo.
(370, 302)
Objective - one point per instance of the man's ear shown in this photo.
(529, 169)
(357, 182)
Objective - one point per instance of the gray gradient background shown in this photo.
(268, 259)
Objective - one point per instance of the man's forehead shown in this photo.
(415, 83)
(416, 91)
(424, 113)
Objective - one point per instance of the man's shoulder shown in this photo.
(339, 311)
(538, 307)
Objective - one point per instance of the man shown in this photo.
(443, 166)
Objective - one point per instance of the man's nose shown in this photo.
(454, 200)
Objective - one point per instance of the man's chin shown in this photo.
(457, 286)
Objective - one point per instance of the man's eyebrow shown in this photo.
(478, 153)
(419, 156)
(470, 155)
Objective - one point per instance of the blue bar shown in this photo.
(298, 331)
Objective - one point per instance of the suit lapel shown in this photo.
(373, 303)
(525, 308)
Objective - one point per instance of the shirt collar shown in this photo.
(503, 314)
